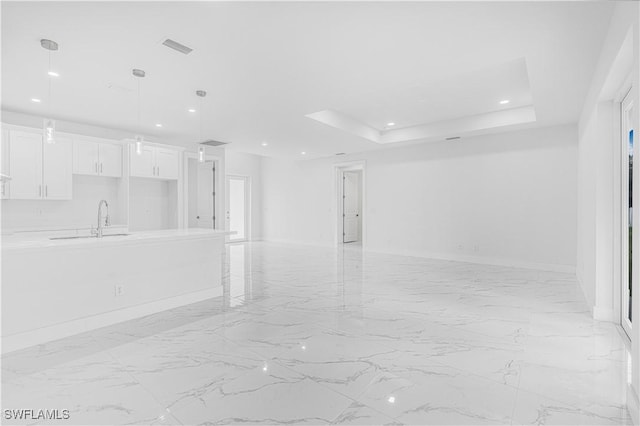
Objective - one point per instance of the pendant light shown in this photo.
(201, 94)
(140, 74)
(49, 124)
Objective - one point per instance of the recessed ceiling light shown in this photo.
(158, 125)
(264, 144)
(53, 74)
(192, 110)
(36, 100)
(391, 124)
(504, 101)
(303, 153)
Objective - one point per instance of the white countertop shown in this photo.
(26, 241)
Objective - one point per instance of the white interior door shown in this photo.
(350, 206)
(205, 194)
(627, 209)
(238, 207)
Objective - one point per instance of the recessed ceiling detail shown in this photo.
(465, 102)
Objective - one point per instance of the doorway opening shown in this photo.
(627, 267)
(350, 204)
(201, 183)
(238, 207)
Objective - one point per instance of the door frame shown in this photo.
(621, 215)
(218, 201)
(338, 169)
(247, 208)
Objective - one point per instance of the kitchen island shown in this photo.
(56, 287)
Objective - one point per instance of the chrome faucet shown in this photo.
(98, 231)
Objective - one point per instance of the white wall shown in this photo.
(508, 198)
(250, 165)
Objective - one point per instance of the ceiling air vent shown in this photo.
(211, 142)
(177, 46)
(452, 138)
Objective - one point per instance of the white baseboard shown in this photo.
(633, 405)
(482, 260)
(300, 243)
(41, 335)
(603, 314)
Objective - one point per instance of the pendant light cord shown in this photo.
(50, 98)
(201, 112)
(139, 130)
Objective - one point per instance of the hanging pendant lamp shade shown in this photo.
(138, 138)
(49, 130)
(49, 124)
(201, 150)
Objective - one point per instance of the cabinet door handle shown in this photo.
(100, 167)
(46, 190)
(96, 167)
(39, 190)
(158, 170)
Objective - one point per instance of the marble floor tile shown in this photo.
(359, 414)
(257, 399)
(442, 395)
(95, 390)
(534, 409)
(317, 335)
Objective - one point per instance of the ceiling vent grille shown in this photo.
(172, 44)
(211, 142)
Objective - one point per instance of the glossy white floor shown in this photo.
(314, 336)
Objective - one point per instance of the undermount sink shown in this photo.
(87, 236)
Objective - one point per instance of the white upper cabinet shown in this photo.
(39, 170)
(167, 163)
(110, 160)
(25, 163)
(85, 158)
(58, 169)
(155, 162)
(97, 159)
(143, 164)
